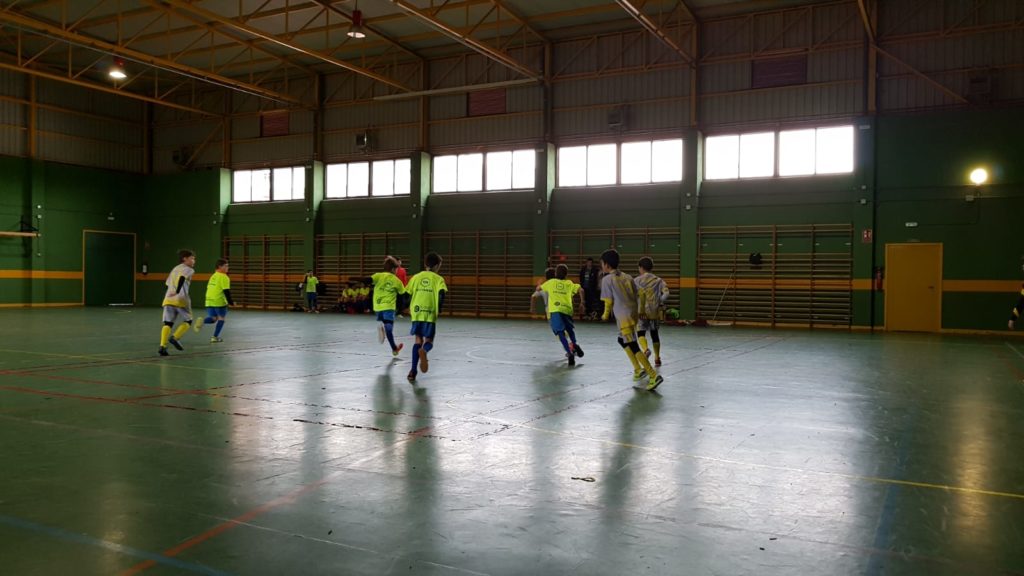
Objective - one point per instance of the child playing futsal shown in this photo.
(652, 294)
(386, 289)
(426, 290)
(177, 303)
(619, 295)
(218, 298)
(559, 293)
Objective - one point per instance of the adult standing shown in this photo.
(589, 283)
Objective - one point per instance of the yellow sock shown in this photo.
(642, 359)
(657, 349)
(632, 358)
(165, 335)
(643, 344)
(181, 330)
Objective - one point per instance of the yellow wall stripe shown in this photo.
(40, 275)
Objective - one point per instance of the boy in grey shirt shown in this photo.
(619, 295)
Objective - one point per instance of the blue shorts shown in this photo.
(311, 298)
(386, 316)
(216, 311)
(423, 329)
(561, 322)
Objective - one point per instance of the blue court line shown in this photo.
(883, 532)
(68, 536)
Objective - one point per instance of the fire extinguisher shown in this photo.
(878, 278)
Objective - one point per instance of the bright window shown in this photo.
(601, 164)
(268, 184)
(572, 166)
(667, 160)
(524, 169)
(636, 163)
(446, 173)
(471, 172)
(361, 179)
(834, 150)
(501, 170)
(796, 152)
(757, 155)
(721, 157)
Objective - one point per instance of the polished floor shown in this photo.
(298, 447)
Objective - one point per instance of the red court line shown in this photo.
(229, 524)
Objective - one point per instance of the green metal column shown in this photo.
(689, 221)
(543, 185)
(315, 187)
(419, 194)
(37, 195)
(864, 233)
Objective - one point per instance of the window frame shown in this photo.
(484, 157)
(777, 151)
(619, 171)
(271, 178)
(369, 179)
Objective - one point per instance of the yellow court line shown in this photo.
(874, 479)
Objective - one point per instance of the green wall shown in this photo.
(918, 173)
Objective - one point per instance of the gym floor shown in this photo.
(298, 447)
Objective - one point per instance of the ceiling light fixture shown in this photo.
(356, 31)
(117, 70)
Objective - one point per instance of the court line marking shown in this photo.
(79, 538)
(1014, 348)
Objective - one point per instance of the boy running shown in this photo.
(652, 294)
(177, 303)
(426, 290)
(619, 294)
(559, 293)
(218, 298)
(386, 289)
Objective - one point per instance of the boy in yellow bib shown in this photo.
(218, 298)
(386, 289)
(427, 290)
(177, 303)
(559, 293)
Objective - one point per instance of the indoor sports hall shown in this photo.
(511, 287)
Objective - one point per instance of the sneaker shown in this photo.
(163, 351)
(380, 333)
(411, 377)
(215, 339)
(572, 359)
(424, 363)
(577, 350)
(647, 352)
(397, 349)
(197, 325)
(638, 374)
(655, 381)
(657, 361)
(174, 342)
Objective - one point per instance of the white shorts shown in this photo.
(648, 325)
(172, 313)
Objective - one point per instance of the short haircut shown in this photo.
(549, 273)
(221, 262)
(561, 271)
(390, 263)
(611, 258)
(646, 263)
(432, 260)
(182, 254)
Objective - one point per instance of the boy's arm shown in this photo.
(181, 284)
(227, 294)
(440, 301)
(664, 292)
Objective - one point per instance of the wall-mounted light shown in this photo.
(979, 176)
(117, 70)
(356, 31)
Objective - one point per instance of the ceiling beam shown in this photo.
(214, 17)
(635, 11)
(494, 54)
(333, 9)
(56, 32)
(101, 88)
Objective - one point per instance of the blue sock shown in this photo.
(209, 320)
(389, 330)
(415, 356)
(428, 346)
(572, 334)
(220, 326)
(565, 343)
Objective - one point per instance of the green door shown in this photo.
(109, 269)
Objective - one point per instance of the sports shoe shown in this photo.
(174, 342)
(163, 351)
(424, 363)
(411, 377)
(577, 350)
(215, 339)
(655, 381)
(197, 325)
(638, 374)
(571, 358)
(657, 360)
(647, 352)
(397, 349)
(380, 333)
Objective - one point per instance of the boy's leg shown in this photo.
(165, 336)
(565, 343)
(637, 370)
(428, 345)
(220, 326)
(656, 342)
(389, 332)
(415, 357)
(641, 336)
